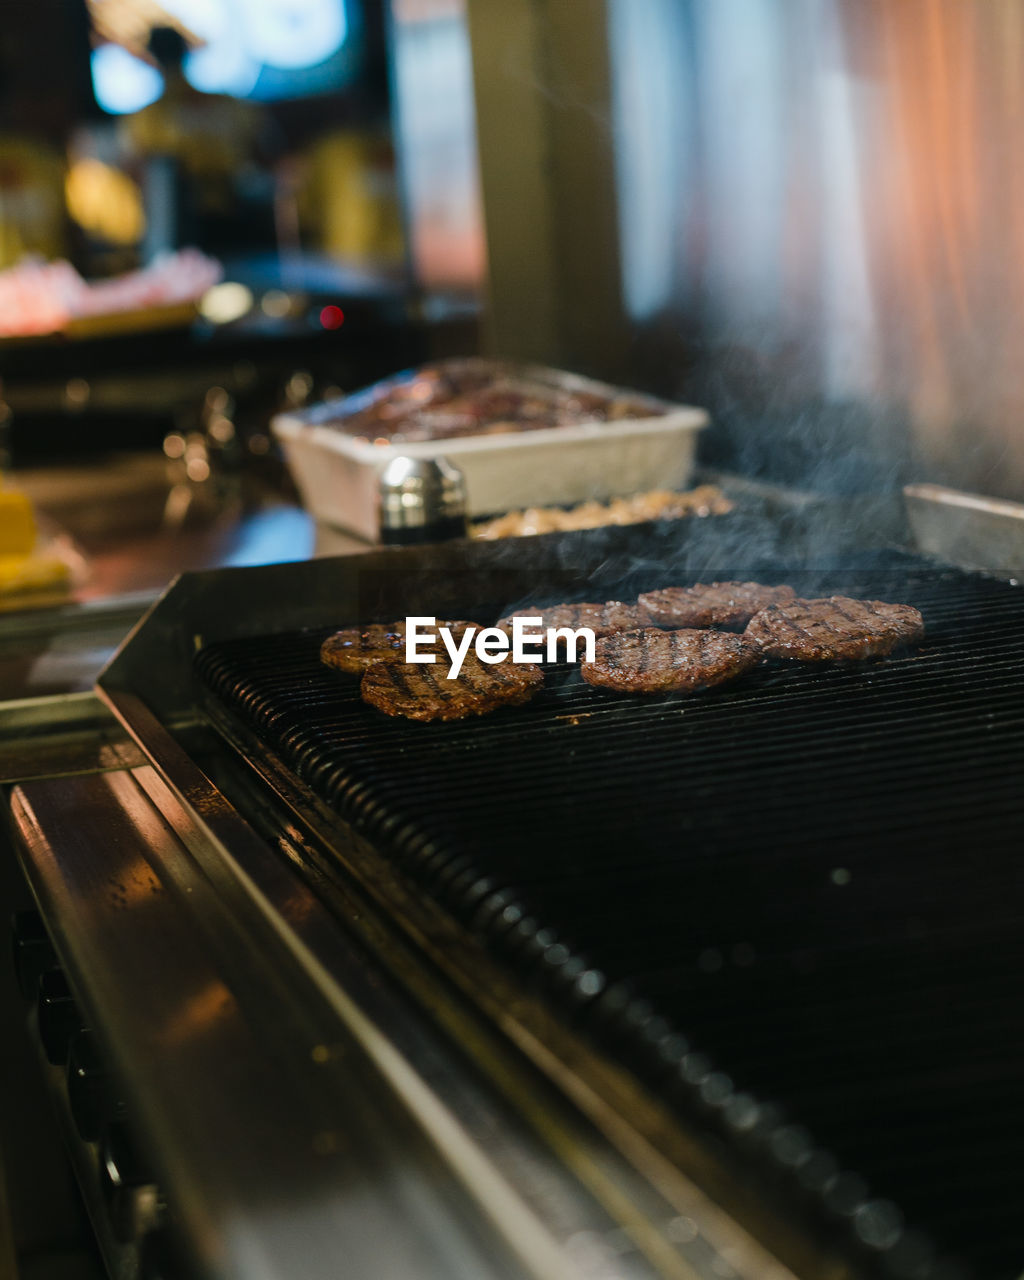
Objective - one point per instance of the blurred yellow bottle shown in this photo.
(24, 570)
(18, 530)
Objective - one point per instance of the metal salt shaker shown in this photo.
(421, 500)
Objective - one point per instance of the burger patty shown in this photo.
(603, 619)
(834, 628)
(653, 661)
(715, 604)
(423, 691)
(355, 648)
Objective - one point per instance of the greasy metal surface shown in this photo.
(562, 1165)
(616, 852)
(967, 529)
(138, 521)
(153, 673)
(47, 652)
(622, 1143)
(281, 1152)
(73, 733)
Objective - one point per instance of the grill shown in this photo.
(792, 906)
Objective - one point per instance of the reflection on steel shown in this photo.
(612, 1150)
(277, 1160)
(828, 199)
(967, 529)
(66, 734)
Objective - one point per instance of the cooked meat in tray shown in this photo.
(792, 904)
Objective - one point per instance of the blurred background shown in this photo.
(805, 217)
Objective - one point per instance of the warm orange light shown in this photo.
(104, 201)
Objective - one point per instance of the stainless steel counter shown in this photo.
(138, 524)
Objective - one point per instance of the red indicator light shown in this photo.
(332, 317)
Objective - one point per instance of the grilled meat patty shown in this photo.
(355, 648)
(603, 619)
(715, 604)
(834, 628)
(652, 661)
(423, 691)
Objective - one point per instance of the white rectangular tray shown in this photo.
(337, 474)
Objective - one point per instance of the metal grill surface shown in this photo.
(794, 905)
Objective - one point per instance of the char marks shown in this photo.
(652, 661)
(356, 648)
(631, 654)
(836, 628)
(711, 604)
(422, 691)
(603, 619)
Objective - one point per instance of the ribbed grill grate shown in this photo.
(816, 876)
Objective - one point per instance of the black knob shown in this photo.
(91, 1094)
(133, 1200)
(32, 949)
(58, 1015)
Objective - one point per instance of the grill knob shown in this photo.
(131, 1194)
(58, 1015)
(90, 1092)
(32, 950)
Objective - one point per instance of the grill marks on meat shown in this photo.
(423, 691)
(716, 604)
(356, 648)
(836, 628)
(652, 661)
(603, 619)
(634, 650)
